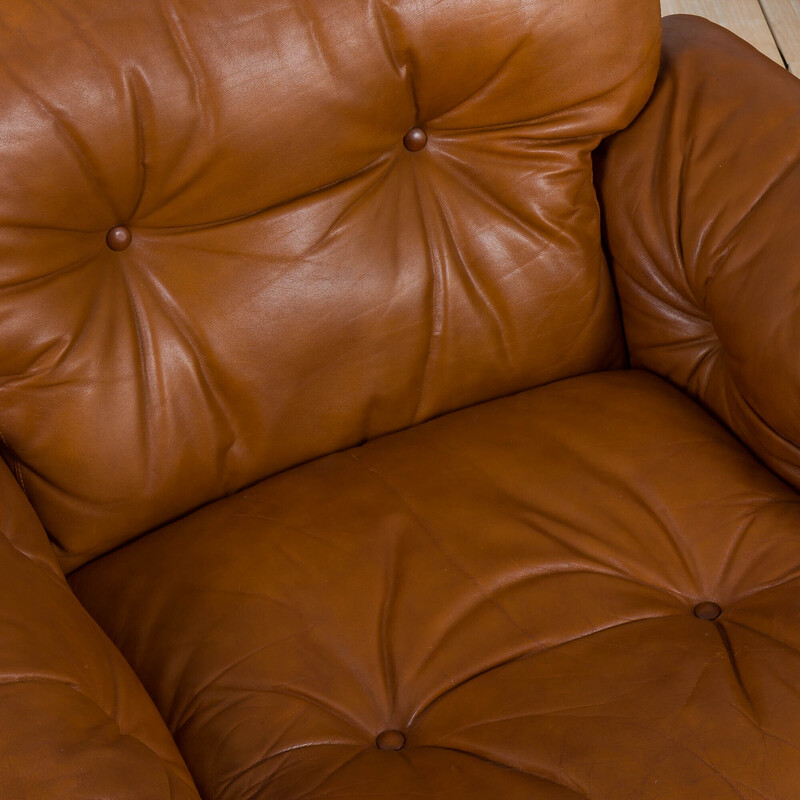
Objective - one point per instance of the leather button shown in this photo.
(118, 238)
(415, 139)
(391, 740)
(707, 610)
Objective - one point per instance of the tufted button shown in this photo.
(415, 139)
(391, 740)
(707, 610)
(118, 238)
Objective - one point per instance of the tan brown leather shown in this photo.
(264, 243)
(700, 196)
(520, 589)
(75, 723)
(219, 259)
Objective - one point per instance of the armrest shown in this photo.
(701, 198)
(74, 720)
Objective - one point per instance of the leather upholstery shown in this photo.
(313, 372)
(511, 587)
(74, 720)
(296, 280)
(707, 265)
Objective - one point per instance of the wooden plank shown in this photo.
(744, 17)
(783, 17)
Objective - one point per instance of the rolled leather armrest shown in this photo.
(74, 720)
(701, 199)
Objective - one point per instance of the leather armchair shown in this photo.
(340, 461)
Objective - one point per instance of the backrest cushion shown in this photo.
(296, 280)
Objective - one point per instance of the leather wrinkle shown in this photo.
(331, 774)
(563, 711)
(490, 79)
(547, 120)
(316, 35)
(131, 77)
(670, 292)
(62, 348)
(217, 406)
(330, 654)
(146, 358)
(37, 280)
(766, 428)
(734, 664)
(538, 647)
(387, 661)
(613, 571)
(592, 566)
(313, 699)
(729, 781)
(434, 296)
(790, 576)
(709, 338)
(385, 167)
(376, 6)
(540, 776)
(526, 654)
(279, 689)
(16, 468)
(706, 359)
(70, 136)
(551, 118)
(422, 526)
(482, 193)
(96, 46)
(228, 782)
(189, 58)
(403, 65)
(751, 718)
(183, 715)
(385, 158)
(680, 249)
(470, 279)
(258, 786)
(730, 554)
(792, 648)
(110, 717)
(718, 255)
(669, 527)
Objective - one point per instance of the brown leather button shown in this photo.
(415, 139)
(391, 740)
(707, 610)
(118, 238)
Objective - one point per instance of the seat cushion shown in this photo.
(587, 590)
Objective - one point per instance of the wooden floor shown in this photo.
(773, 26)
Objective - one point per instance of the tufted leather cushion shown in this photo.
(218, 258)
(700, 196)
(523, 591)
(75, 723)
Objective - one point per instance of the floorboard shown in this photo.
(746, 19)
(783, 17)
